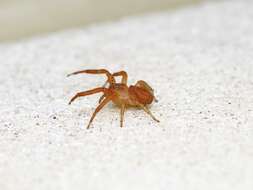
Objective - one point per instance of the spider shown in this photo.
(139, 95)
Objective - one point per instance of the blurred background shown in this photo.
(26, 18)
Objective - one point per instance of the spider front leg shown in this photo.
(110, 78)
(123, 74)
(100, 106)
(120, 73)
(148, 112)
(101, 98)
(89, 92)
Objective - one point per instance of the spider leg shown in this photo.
(100, 106)
(123, 74)
(120, 73)
(101, 98)
(122, 111)
(110, 78)
(88, 92)
(149, 112)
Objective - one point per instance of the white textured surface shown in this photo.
(198, 59)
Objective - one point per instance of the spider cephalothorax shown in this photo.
(138, 95)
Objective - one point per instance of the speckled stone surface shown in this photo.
(199, 60)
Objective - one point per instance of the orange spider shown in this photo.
(139, 95)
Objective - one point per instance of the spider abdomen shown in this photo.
(143, 96)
